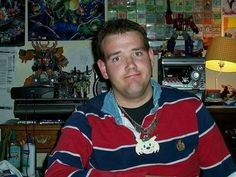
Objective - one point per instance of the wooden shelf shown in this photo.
(45, 136)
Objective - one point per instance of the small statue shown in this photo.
(81, 83)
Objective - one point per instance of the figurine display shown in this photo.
(228, 94)
(47, 68)
(81, 83)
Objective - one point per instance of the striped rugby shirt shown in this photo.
(97, 141)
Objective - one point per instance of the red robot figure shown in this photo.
(180, 25)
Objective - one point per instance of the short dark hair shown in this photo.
(117, 26)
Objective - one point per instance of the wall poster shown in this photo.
(12, 23)
(64, 19)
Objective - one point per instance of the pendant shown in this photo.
(147, 145)
(180, 145)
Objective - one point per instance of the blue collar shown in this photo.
(110, 105)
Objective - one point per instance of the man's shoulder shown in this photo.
(171, 94)
(91, 109)
(173, 90)
(93, 105)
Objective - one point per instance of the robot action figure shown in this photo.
(180, 24)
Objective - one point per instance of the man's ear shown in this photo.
(151, 56)
(102, 67)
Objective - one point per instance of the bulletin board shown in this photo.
(151, 14)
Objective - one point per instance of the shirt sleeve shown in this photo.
(214, 157)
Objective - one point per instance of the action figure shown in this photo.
(82, 86)
(47, 62)
(180, 24)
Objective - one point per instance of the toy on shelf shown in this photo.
(81, 83)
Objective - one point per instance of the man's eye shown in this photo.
(115, 59)
(138, 53)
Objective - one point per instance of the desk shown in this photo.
(45, 135)
(225, 118)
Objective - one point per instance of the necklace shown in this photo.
(145, 131)
(146, 145)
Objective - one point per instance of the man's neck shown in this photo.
(138, 113)
(133, 102)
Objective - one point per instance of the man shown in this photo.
(138, 128)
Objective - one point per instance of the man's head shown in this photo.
(118, 26)
(126, 59)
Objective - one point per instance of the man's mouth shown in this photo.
(130, 76)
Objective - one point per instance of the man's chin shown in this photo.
(134, 91)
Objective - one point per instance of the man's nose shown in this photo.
(130, 62)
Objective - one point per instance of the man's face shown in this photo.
(127, 65)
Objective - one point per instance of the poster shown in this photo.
(12, 23)
(64, 19)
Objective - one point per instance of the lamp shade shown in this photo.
(221, 54)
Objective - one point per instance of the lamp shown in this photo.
(221, 56)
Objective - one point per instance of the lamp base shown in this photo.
(213, 96)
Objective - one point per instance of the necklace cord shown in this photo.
(146, 131)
